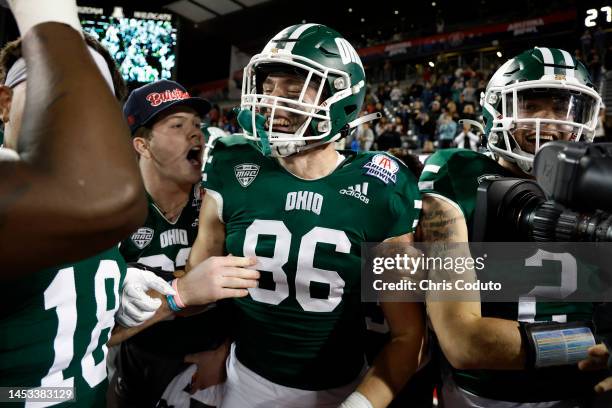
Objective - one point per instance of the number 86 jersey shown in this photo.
(303, 327)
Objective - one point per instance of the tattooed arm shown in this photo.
(75, 188)
(468, 340)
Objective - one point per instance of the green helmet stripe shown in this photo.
(548, 59)
(295, 35)
(559, 61)
(276, 43)
(286, 39)
(570, 62)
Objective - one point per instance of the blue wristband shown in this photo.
(173, 306)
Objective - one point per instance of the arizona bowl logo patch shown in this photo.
(383, 168)
(142, 237)
(246, 173)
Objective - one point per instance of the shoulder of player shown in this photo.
(233, 149)
(454, 155)
(386, 177)
(390, 170)
(456, 163)
(231, 142)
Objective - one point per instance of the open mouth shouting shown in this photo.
(194, 156)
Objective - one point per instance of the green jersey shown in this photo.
(455, 174)
(303, 327)
(166, 245)
(160, 243)
(55, 329)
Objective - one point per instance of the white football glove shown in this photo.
(356, 400)
(136, 306)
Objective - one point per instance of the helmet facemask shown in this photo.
(535, 112)
(307, 109)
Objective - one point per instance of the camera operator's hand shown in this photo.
(597, 358)
(604, 385)
(218, 277)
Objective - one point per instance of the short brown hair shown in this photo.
(144, 132)
(11, 52)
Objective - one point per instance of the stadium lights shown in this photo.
(303, 21)
(431, 64)
(362, 20)
(350, 10)
(499, 54)
(396, 12)
(433, 4)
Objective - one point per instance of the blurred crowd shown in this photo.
(595, 52)
(423, 113)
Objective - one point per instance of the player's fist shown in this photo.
(136, 306)
(218, 277)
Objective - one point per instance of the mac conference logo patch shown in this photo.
(246, 173)
(142, 237)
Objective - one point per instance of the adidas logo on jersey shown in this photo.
(359, 191)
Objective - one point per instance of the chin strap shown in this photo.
(474, 123)
(363, 119)
(284, 149)
(245, 120)
(351, 125)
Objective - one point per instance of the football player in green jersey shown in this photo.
(282, 193)
(540, 95)
(54, 322)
